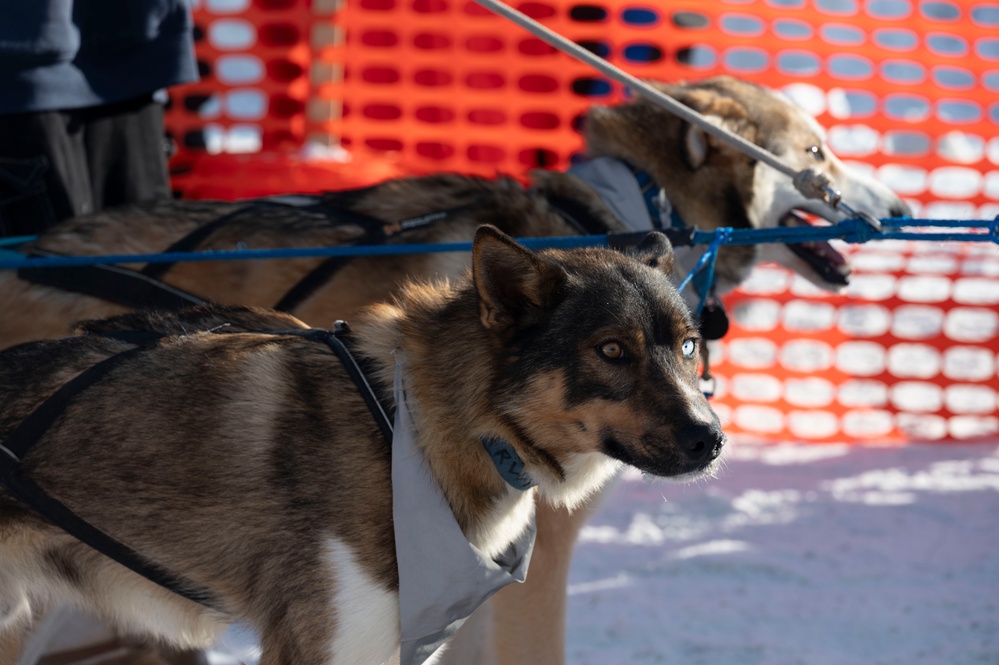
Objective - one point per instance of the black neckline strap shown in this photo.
(579, 217)
(338, 341)
(375, 232)
(372, 227)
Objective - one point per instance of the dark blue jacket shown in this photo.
(64, 54)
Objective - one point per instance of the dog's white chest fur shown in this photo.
(507, 520)
(366, 627)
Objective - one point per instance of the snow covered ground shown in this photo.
(795, 554)
(818, 555)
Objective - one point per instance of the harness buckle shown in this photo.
(707, 386)
(665, 207)
(8, 452)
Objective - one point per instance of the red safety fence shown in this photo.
(908, 353)
(243, 130)
(908, 89)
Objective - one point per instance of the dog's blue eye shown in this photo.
(688, 348)
(817, 154)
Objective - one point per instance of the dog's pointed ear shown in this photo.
(695, 147)
(513, 283)
(656, 251)
(718, 109)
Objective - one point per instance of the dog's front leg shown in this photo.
(529, 618)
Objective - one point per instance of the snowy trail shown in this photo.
(819, 555)
(794, 555)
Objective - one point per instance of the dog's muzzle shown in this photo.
(702, 443)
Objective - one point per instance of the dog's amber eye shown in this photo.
(612, 350)
(816, 153)
(689, 348)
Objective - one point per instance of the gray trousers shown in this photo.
(59, 164)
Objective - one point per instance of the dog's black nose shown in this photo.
(702, 442)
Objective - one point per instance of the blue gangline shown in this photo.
(14, 241)
(849, 230)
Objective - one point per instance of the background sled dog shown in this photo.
(708, 184)
(248, 464)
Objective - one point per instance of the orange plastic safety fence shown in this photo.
(907, 89)
(908, 353)
(257, 64)
(906, 86)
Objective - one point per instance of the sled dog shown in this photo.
(706, 183)
(242, 458)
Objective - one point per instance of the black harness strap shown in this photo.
(325, 271)
(577, 214)
(32, 428)
(18, 443)
(383, 416)
(339, 340)
(145, 289)
(122, 286)
(377, 232)
(579, 217)
(30, 493)
(312, 282)
(193, 239)
(13, 449)
(135, 289)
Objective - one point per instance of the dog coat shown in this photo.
(442, 577)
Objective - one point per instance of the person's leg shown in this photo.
(126, 153)
(43, 171)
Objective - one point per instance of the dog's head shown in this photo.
(712, 184)
(595, 363)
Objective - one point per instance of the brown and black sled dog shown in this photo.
(248, 465)
(637, 146)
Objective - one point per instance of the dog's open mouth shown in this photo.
(830, 265)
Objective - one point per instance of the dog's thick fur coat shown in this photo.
(247, 462)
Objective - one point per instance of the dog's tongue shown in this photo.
(819, 254)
